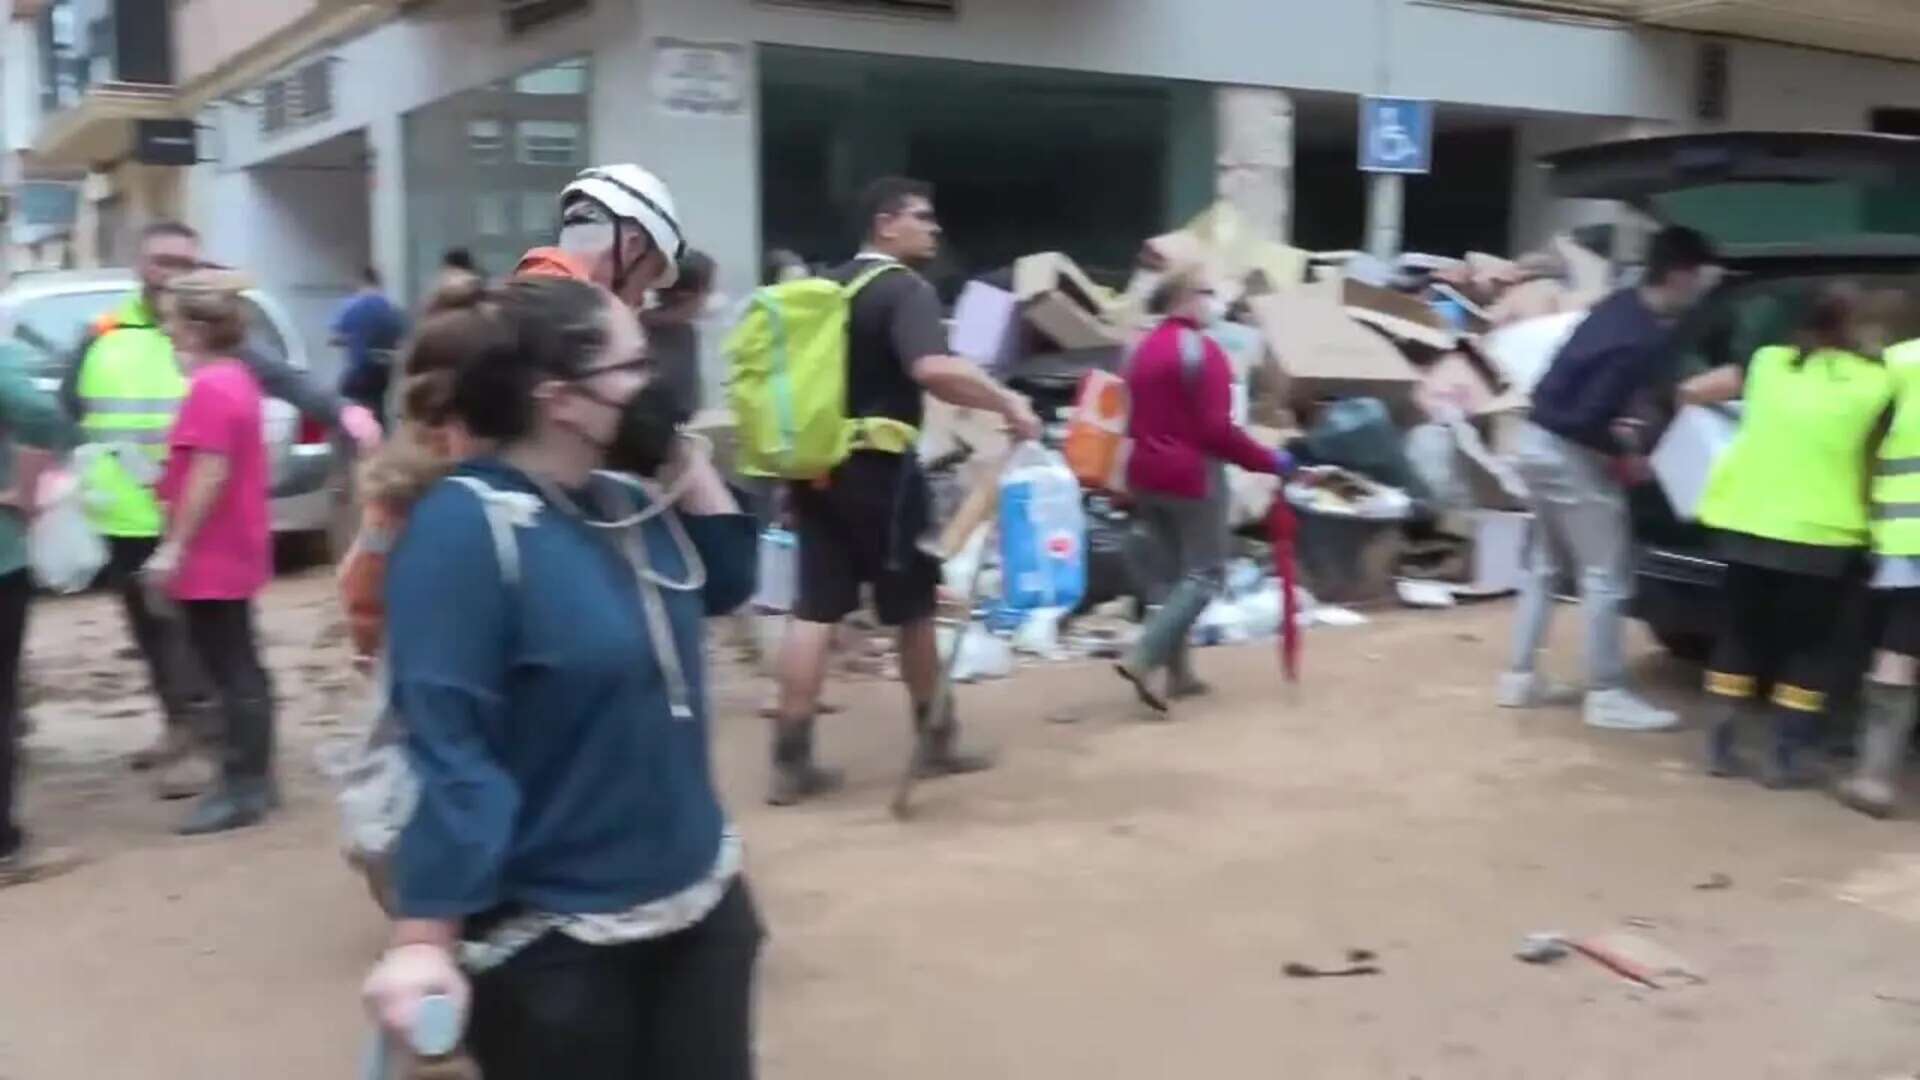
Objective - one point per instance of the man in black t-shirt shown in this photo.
(862, 526)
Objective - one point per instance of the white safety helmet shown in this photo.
(627, 193)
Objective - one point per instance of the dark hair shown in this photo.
(777, 262)
(696, 274)
(887, 196)
(370, 276)
(1840, 313)
(176, 230)
(548, 328)
(1676, 249)
(459, 259)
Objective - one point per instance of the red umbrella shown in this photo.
(1283, 527)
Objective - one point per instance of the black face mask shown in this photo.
(649, 423)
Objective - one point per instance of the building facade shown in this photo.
(333, 134)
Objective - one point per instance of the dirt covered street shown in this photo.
(1119, 900)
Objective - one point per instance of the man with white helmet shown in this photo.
(618, 229)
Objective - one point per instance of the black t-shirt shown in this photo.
(896, 322)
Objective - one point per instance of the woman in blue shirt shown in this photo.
(544, 626)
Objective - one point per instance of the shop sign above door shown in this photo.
(700, 78)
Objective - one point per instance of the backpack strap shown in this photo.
(852, 288)
(505, 511)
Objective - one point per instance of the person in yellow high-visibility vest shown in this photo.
(1890, 704)
(1789, 502)
(123, 389)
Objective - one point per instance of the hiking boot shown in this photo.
(1886, 725)
(1791, 762)
(175, 742)
(1531, 690)
(795, 777)
(1621, 710)
(935, 753)
(31, 862)
(235, 804)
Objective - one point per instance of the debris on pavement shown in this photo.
(1543, 947)
(1639, 959)
(1714, 882)
(1359, 962)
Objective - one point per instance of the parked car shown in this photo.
(1791, 213)
(50, 314)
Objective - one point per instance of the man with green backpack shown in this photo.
(827, 378)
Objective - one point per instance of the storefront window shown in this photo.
(485, 167)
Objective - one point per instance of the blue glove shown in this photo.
(1283, 464)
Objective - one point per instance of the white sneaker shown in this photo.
(1531, 690)
(1620, 710)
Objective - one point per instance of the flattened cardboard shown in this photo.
(1062, 302)
(1399, 316)
(1321, 352)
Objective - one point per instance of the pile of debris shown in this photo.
(1405, 382)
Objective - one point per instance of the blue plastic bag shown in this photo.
(1043, 533)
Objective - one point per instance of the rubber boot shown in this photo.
(1887, 718)
(235, 804)
(1792, 762)
(795, 777)
(935, 753)
(1730, 717)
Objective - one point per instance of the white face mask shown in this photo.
(1216, 310)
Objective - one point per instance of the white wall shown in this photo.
(1773, 86)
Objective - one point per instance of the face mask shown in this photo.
(649, 423)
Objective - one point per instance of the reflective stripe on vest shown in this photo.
(130, 390)
(1797, 470)
(1896, 476)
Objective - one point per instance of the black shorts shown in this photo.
(1780, 637)
(863, 528)
(1900, 621)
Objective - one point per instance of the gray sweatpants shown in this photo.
(1180, 554)
(1580, 522)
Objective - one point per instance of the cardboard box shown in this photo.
(1320, 352)
(1399, 316)
(986, 326)
(1062, 302)
(1684, 460)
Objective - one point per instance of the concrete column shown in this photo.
(387, 201)
(1254, 169)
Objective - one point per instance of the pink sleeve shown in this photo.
(1218, 433)
(208, 420)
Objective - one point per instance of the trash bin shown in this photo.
(1348, 560)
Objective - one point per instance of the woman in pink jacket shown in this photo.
(1183, 439)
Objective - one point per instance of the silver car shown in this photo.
(51, 313)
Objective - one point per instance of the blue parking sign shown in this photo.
(1396, 135)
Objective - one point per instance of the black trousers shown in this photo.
(222, 638)
(677, 1008)
(1781, 636)
(177, 680)
(16, 591)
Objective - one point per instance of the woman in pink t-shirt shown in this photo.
(217, 553)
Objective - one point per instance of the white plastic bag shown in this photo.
(1043, 532)
(62, 548)
(779, 571)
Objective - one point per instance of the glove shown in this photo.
(361, 426)
(1283, 464)
(406, 976)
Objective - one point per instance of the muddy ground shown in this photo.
(1117, 902)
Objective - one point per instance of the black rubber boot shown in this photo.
(795, 777)
(235, 804)
(1792, 762)
(937, 754)
(1723, 738)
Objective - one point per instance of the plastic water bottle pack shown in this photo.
(1043, 533)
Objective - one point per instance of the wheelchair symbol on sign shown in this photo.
(1392, 144)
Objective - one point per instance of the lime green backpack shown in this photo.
(787, 381)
